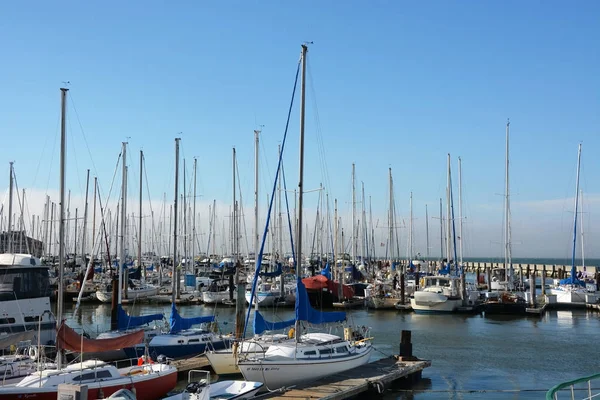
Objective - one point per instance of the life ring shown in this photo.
(33, 352)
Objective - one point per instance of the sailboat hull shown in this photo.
(277, 374)
(429, 302)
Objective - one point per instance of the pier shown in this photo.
(373, 377)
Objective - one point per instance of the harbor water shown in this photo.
(472, 356)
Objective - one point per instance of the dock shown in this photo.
(186, 365)
(373, 377)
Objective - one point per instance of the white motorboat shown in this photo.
(218, 292)
(25, 296)
(440, 293)
(133, 292)
(229, 390)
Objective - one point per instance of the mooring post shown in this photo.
(544, 280)
(488, 271)
(532, 289)
(114, 322)
(406, 345)
(402, 288)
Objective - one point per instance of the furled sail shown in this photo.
(305, 312)
(179, 323)
(126, 321)
(68, 339)
(261, 324)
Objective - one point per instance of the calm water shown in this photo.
(472, 356)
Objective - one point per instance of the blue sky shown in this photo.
(396, 84)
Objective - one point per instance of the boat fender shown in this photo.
(422, 282)
(191, 297)
(33, 352)
(291, 333)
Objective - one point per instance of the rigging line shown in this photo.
(287, 206)
(259, 259)
(74, 152)
(52, 155)
(72, 101)
(37, 169)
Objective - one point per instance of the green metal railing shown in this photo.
(552, 394)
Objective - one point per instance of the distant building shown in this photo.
(21, 243)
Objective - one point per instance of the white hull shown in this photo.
(569, 295)
(433, 302)
(386, 303)
(223, 362)
(216, 297)
(264, 299)
(132, 294)
(278, 374)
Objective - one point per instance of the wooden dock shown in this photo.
(373, 377)
(185, 365)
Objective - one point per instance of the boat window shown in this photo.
(180, 341)
(7, 321)
(24, 283)
(32, 319)
(310, 353)
(103, 374)
(194, 341)
(85, 377)
(325, 351)
(342, 349)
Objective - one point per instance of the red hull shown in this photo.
(150, 389)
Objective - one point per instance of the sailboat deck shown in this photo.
(374, 376)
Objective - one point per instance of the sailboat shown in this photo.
(182, 340)
(314, 355)
(444, 292)
(572, 289)
(150, 381)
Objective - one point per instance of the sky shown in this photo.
(390, 84)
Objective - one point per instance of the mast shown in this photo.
(335, 240)
(427, 234)
(280, 218)
(441, 232)
(460, 218)
(353, 216)
(123, 222)
(94, 216)
(174, 276)
(410, 233)
(298, 256)
(10, 203)
(194, 220)
(239, 281)
(256, 238)
(85, 214)
(507, 232)
(139, 247)
(61, 229)
(391, 217)
(581, 223)
(184, 217)
(364, 231)
(573, 269)
(449, 216)
(373, 256)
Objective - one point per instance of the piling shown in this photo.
(544, 280)
(532, 289)
(402, 289)
(405, 353)
(114, 322)
(488, 272)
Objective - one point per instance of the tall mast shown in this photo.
(573, 269)
(123, 222)
(61, 229)
(410, 232)
(10, 203)
(184, 217)
(139, 249)
(194, 220)
(507, 238)
(353, 239)
(94, 216)
(85, 215)
(449, 216)
(298, 256)
(174, 280)
(235, 248)
(391, 217)
(364, 231)
(460, 218)
(335, 240)
(581, 223)
(256, 238)
(427, 233)
(280, 218)
(373, 256)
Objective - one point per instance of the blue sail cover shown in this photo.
(179, 323)
(126, 321)
(277, 272)
(305, 312)
(445, 270)
(326, 272)
(261, 324)
(572, 281)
